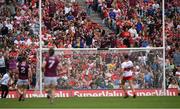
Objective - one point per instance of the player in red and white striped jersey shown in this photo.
(127, 69)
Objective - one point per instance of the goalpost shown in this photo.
(106, 61)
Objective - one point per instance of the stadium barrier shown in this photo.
(97, 93)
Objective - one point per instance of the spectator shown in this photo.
(176, 56)
(177, 74)
(173, 84)
(4, 29)
(133, 32)
(3, 64)
(148, 79)
(110, 85)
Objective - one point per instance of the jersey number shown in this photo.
(23, 70)
(51, 63)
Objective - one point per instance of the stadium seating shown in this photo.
(141, 20)
(172, 30)
(19, 30)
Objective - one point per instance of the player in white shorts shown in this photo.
(127, 69)
(50, 80)
(24, 72)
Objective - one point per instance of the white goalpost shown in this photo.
(142, 57)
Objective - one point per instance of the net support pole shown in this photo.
(164, 48)
(40, 45)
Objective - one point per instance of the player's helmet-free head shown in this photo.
(51, 51)
(23, 58)
(126, 57)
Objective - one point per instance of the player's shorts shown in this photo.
(21, 82)
(50, 81)
(12, 68)
(127, 78)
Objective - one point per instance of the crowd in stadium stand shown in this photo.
(67, 25)
(19, 30)
(172, 30)
(140, 25)
(137, 23)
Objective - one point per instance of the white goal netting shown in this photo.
(99, 69)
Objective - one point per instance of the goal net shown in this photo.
(90, 68)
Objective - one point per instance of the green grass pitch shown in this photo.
(93, 102)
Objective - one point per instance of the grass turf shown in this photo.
(94, 102)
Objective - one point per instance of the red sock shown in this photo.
(134, 93)
(126, 94)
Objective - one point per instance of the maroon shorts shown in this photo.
(127, 78)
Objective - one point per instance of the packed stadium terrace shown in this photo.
(172, 30)
(137, 23)
(67, 25)
(19, 30)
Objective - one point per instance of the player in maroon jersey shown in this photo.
(50, 67)
(24, 73)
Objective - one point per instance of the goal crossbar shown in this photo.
(86, 49)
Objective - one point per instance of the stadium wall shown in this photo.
(96, 93)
